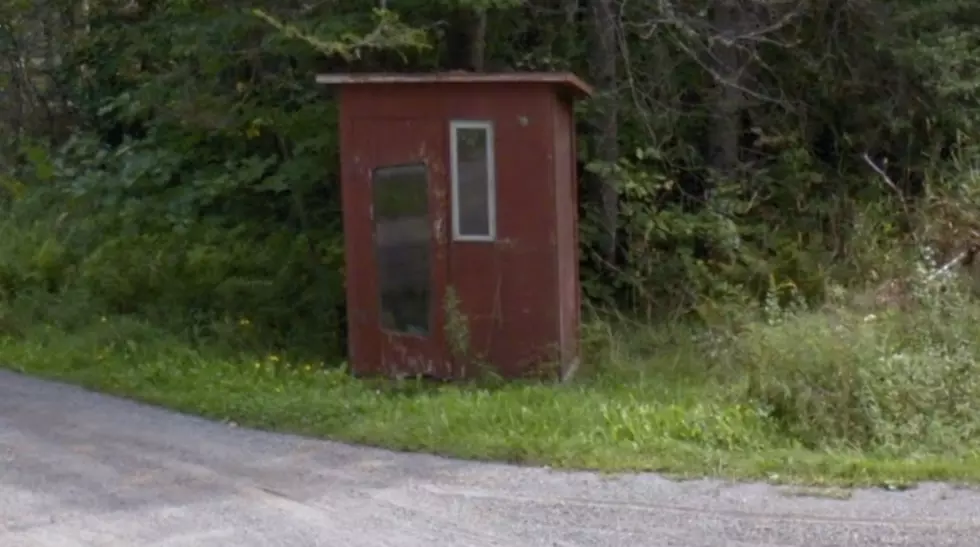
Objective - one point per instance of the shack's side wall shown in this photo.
(566, 180)
(506, 288)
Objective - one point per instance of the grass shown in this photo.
(684, 408)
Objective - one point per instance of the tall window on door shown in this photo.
(474, 192)
(402, 236)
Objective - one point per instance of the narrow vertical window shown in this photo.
(474, 190)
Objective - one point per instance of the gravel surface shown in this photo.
(81, 469)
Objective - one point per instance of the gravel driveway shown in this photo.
(80, 469)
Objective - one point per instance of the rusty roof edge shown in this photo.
(566, 79)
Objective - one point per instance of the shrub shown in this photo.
(893, 381)
(285, 289)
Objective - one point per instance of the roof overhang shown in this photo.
(564, 81)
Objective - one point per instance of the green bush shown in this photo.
(267, 286)
(901, 380)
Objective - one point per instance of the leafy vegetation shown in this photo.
(765, 190)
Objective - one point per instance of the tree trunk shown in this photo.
(726, 61)
(466, 41)
(604, 77)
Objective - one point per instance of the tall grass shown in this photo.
(840, 393)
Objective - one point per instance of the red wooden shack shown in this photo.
(460, 220)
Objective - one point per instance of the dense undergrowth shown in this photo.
(170, 227)
(780, 391)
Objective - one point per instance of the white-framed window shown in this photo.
(474, 184)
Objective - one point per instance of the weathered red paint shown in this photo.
(519, 294)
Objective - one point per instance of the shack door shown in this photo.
(408, 191)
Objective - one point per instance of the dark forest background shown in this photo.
(175, 159)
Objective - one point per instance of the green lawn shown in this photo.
(630, 419)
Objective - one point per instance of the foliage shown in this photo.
(670, 406)
(189, 116)
(898, 380)
(171, 166)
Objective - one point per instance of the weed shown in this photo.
(902, 380)
(778, 391)
(457, 333)
(808, 398)
(457, 328)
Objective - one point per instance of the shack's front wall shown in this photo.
(383, 254)
(508, 289)
(353, 202)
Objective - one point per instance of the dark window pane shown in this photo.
(473, 181)
(402, 241)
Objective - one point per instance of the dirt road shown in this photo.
(80, 469)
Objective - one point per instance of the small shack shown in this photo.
(460, 221)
